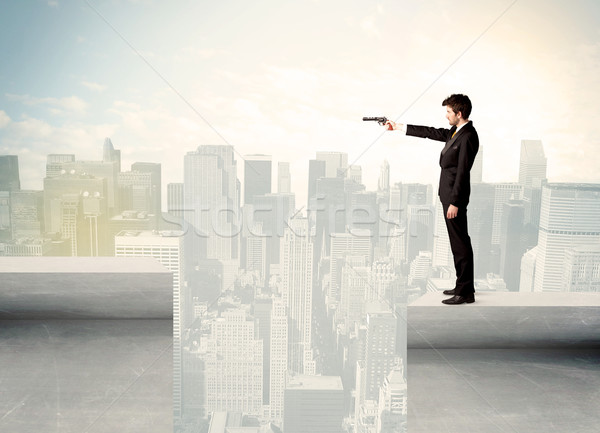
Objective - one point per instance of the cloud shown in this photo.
(4, 119)
(53, 4)
(67, 105)
(96, 87)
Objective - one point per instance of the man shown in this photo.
(456, 160)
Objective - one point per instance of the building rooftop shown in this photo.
(328, 383)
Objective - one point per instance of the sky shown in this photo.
(289, 78)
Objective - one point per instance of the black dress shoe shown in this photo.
(450, 292)
(456, 299)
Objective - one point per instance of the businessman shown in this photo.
(456, 160)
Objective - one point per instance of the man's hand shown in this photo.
(452, 212)
(391, 125)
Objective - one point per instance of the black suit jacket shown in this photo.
(456, 160)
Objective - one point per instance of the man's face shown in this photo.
(453, 118)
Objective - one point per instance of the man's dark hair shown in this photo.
(458, 103)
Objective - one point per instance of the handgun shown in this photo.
(380, 120)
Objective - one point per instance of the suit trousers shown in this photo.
(460, 243)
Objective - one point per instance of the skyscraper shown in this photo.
(154, 169)
(284, 178)
(296, 289)
(569, 218)
(211, 201)
(314, 404)
(55, 163)
(335, 162)
(316, 170)
(512, 244)
(9, 173)
(257, 176)
(380, 348)
(533, 163)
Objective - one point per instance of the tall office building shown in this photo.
(316, 170)
(503, 193)
(9, 173)
(380, 348)
(154, 169)
(582, 269)
(442, 254)
(336, 163)
(167, 249)
(392, 415)
(5, 230)
(512, 244)
(355, 287)
(314, 404)
(383, 184)
(257, 176)
(256, 251)
(135, 192)
(569, 218)
(27, 213)
(272, 211)
(71, 182)
(383, 276)
(480, 215)
(211, 201)
(284, 178)
(232, 357)
(358, 243)
(420, 225)
(175, 201)
(296, 289)
(278, 358)
(110, 154)
(533, 162)
(55, 163)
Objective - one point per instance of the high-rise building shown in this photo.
(135, 191)
(296, 289)
(512, 244)
(284, 178)
(231, 356)
(257, 176)
(272, 212)
(480, 215)
(569, 218)
(55, 163)
(582, 269)
(166, 248)
(27, 213)
(383, 184)
(316, 170)
(355, 288)
(503, 193)
(154, 169)
(5, 227)
(71, 182)
(392, 414)
(442, 254)
(314, 404)
(336, 163)
(533, 163)
(380, 347)
(278, 358)
(420, 227)
(9, 173)
(420, 267)
(175, 201)
(211, 202)
(358, 243)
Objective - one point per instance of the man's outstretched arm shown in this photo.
(438, 134)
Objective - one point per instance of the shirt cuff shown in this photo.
(402, 128)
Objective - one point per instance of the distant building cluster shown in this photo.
(287, 317)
